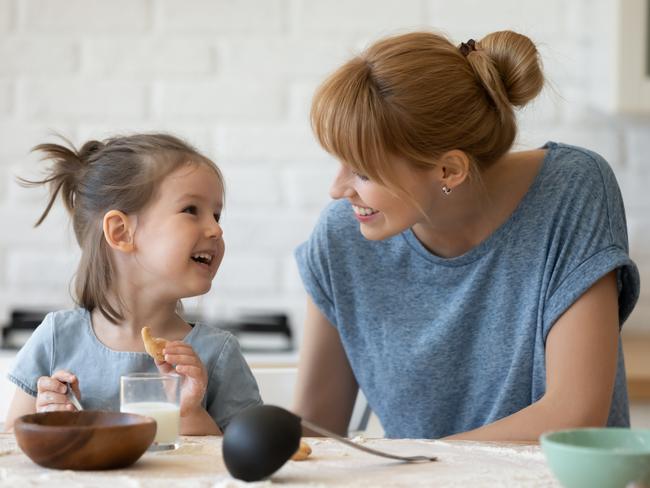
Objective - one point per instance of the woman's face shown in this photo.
(380, 211)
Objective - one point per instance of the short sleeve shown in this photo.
(236, 388)
(591, 241)
(312, 258)
(35, 359)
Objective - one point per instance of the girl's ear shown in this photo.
(119, 230)
(455, 168)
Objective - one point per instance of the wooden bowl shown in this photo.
(84, 440)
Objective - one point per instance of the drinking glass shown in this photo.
(157, 396)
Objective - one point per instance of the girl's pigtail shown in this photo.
(65, 173)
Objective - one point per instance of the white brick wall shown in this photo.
(235, 77)
(6, 92)
(6, 15)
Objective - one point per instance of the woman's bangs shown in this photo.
(345, 118)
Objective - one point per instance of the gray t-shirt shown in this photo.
(440, 346)
(66, 340)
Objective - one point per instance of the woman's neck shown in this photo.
(476, 209)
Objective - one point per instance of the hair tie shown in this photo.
(467, 47)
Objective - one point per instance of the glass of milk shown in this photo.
(157, 396)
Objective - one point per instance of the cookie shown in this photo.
(153, 345)
(302, 453)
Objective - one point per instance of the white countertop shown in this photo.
(198, 463)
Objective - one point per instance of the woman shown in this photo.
(468, 290)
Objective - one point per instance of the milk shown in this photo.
(166, 415)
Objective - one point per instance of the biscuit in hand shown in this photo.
(302, 453)
(153, 345)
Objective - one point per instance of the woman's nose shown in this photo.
(341, 187)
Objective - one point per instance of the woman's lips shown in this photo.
(364, 214)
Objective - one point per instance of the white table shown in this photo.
(198, 463)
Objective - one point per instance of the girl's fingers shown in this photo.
(64, 376)
(164, 368)
(191, 371)
(46, 383)
(48, 401)
(54, 407)
(178, 348)
(185, 359)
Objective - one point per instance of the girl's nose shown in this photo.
(214, 230)
(341, 186)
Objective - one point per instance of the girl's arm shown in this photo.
(199, 422)
(581, 355)
(21, 404)
(51, 396)
(326, 388)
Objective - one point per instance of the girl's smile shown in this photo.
(206, 261)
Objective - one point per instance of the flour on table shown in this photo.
(228, 482)
(359, 439)
(192, 448)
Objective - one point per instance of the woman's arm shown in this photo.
(21, 404)
(581, 355)
(326, 388)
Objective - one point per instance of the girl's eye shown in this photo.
(191, 209)
(360, 176)
(217, 217)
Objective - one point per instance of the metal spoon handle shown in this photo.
(348, 442)
(73, 398)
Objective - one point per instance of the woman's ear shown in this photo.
(118, 230)
(455, 167)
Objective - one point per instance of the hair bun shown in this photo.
(517, 60)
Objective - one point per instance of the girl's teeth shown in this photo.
(203, 258)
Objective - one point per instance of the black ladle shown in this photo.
(260, 440)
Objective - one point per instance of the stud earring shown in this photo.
(446, 190)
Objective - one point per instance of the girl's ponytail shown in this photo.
(67, 170)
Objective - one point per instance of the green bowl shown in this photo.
(605, 457)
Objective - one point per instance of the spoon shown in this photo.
(261, 439)
(72, 397)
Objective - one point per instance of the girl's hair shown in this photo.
(417, 96)
(120, 173)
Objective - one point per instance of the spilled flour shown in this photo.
(198, 463)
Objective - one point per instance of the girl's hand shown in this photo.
(195, 377)
(52, 392)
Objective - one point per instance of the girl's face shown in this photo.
(178, 240)
(379, 210)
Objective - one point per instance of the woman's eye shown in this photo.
(360, 176)
(191, 209)
(217, 217)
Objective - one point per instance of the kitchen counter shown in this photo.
(198, 463)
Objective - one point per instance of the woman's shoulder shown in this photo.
(570, 161)
(337, 216)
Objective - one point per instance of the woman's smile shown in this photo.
(364, 214)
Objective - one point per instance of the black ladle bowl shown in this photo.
(259, 441)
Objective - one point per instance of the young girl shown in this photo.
(466, 289)
(145, 211)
